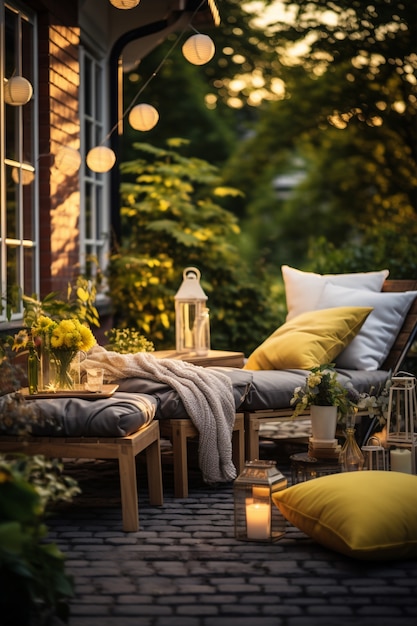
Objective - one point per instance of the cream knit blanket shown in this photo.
(207, 397)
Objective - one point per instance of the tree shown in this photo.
(172, 218)
(348, 120)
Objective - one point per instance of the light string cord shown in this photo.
(155, 72)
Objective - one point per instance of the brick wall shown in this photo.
(59, 125)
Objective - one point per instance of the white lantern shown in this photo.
(143, 117)
(17, 91)
(375, 454)
(125, 4)
(100, 159)
(402, 418)
(192, 324)
(198, 49)
(68, 160)
(257, 518)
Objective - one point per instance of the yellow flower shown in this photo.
(20, 340)
(314, 380)
(70, 334)
(87, 337)
(43, 326)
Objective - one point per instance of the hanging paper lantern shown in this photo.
(143, 117)
(100, 159)
(125, 4)
(24, 176)
(17, 91)
(68, 160)
(198, 49)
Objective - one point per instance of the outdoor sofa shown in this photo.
(128, 423)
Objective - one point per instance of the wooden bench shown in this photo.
(124, 449)
(179, 431)
(392, 363)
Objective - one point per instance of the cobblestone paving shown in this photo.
(185, 568)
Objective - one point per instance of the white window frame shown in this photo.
(94, 187)
(18, 242)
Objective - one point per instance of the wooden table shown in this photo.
(219, 358)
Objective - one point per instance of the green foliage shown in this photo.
(348, 122)
(127, 341)
(32, 571)
(78, 302)
(172, 220)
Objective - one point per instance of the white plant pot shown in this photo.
(323, 422)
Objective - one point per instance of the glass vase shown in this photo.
(44, 370)
(61, 363)
(351, 458)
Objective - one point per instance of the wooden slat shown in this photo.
(409, 328)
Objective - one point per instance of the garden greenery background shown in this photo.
(326, 97)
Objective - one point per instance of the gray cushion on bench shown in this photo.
(170, 405)
(273, 389)
(118, 416)
(253, 390)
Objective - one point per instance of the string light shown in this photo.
(17, 91)
(125, 4)
(68, 160)
(100, 159)
(24, 175)
(143, 117)
(198, 49)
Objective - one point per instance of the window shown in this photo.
(94, 219)
(18, 156)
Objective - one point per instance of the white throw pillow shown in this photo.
(303, 289)
(371, 346)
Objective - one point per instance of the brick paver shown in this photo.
(185, 568)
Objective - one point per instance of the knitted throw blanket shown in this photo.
(207, 397)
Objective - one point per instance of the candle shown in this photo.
(258, 520)
(401, 460)
(260, 492)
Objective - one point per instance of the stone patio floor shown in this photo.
(185, 568)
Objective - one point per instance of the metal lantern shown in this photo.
(375, 455)
(257, 518)
(402, 415)
(192, 324)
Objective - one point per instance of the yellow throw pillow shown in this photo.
(366, 515)
(308, 340)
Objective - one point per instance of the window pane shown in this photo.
(12, 269)
(28, 178)
(88, 210)
(12, 203)
(88, 84)
(29, 274)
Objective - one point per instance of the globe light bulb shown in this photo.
(143, 117)
(198, 49)
(100, 159)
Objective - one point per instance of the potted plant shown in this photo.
(327, 399)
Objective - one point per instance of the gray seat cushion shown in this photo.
(118, 416)
(253, 390)
(273, 389)
(169, 404)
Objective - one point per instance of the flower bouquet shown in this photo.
(322, 388)
(63, 340)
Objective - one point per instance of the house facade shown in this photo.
(57, 216)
